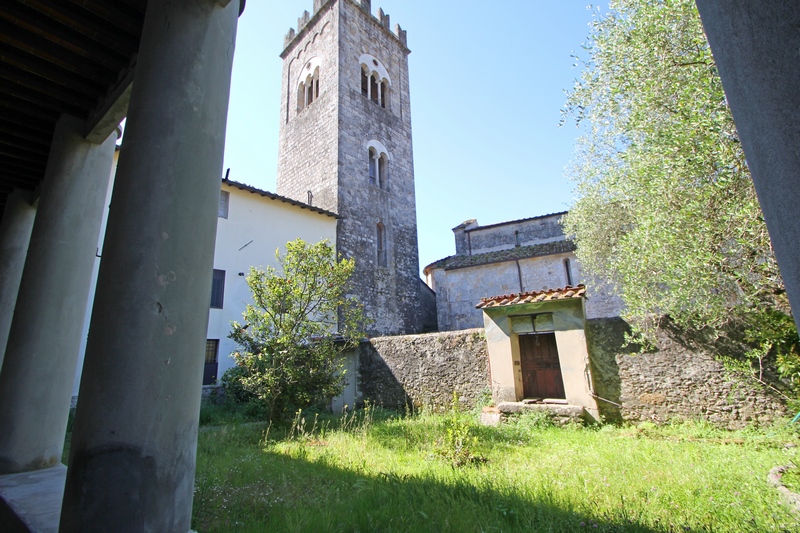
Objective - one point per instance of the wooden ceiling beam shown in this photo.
(30, 109)
(35, 22)
(22, 132)
(28, 81)
(27, 96)
(15, 118)
(38, 46)
(48, 71)
(116, 13)
(89, 24)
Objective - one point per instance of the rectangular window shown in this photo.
(217, 289)
(212, 355)
(224, 200)
(381, 245)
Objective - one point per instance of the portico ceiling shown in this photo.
(60, 56)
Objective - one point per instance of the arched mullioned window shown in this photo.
(375, 81)
(381, 244)
(378, 164)
(308, 84)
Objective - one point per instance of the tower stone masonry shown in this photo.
(345, 146)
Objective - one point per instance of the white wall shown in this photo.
(255, 228)
(459, 290)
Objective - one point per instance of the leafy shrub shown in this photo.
(459, 441)
(291, 356)
(232, 385)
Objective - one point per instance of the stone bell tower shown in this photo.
(345, 146)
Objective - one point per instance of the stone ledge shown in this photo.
(563, 413)
(30, 502)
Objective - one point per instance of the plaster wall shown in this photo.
(256, 227)
(346, 401)
(459, 290)
(573, 355)
(504, 372)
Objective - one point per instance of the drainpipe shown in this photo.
(519, 275)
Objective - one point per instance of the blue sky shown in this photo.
(487, 86)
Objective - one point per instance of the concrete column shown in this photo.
(132, 457)
(45, 335)
(15, 234)
(756, 47)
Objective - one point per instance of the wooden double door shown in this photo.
(541, 371)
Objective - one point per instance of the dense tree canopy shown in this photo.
(294, 331)
(666, 209)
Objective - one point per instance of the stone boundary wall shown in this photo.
(423, 371)
(673, 382)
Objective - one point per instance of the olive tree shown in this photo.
(665, 206)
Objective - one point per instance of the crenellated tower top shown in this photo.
(381, 19)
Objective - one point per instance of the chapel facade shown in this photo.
(345, 146)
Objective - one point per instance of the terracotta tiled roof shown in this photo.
(547, 295)
(511, 254)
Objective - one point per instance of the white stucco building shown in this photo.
(252, 224)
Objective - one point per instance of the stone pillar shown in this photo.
(15, 234)
(42, 350)
(755, 46)
(132, 457)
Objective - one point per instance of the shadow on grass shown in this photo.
(245, 488)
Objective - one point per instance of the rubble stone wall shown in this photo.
(425, 370)
(672, 382)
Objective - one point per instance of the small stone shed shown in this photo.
(537, 348)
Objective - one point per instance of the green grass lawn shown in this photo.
(384, 473)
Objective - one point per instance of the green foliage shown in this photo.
(459, 441)
(677, 477)
(231, 383)
(666, 210)
(775, 337)
(289, 350)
